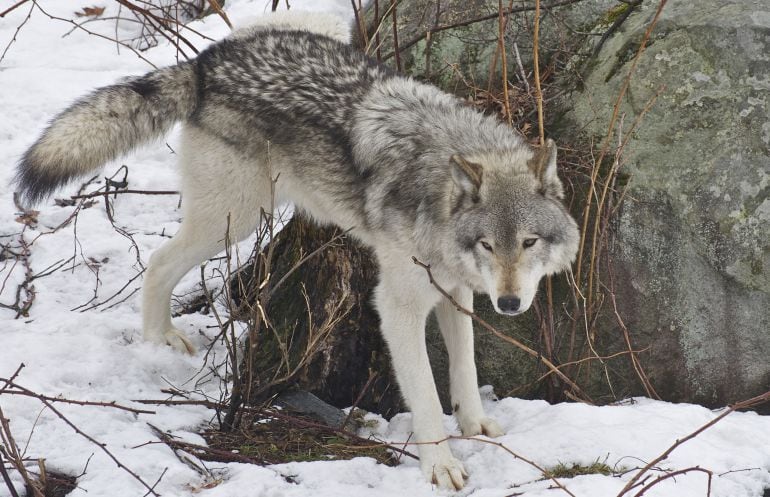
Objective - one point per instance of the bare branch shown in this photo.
(13, 388)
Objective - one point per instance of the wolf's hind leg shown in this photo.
(221, 201)
(457, 330)
(189, 247)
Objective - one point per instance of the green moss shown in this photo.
(612, 14)
(562, 470)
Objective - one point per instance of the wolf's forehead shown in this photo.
(515, 213)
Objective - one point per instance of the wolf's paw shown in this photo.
(173, 337)
(481, 426)
(440, 467)
(179, 341)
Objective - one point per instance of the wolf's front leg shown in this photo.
(403, 310)
(457, 330)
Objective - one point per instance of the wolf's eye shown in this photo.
(486, 246)
(528, 242)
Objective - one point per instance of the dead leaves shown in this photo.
(28, 218)
(90, 12)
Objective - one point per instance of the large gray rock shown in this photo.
(692, 248)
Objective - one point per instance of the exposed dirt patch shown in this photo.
(56, 484)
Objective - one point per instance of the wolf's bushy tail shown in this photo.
(104, 125)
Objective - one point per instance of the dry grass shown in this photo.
(285, 437)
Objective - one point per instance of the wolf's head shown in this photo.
(510, 223)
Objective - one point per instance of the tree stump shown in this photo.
(324, 332)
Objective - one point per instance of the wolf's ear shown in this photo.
(467, 175)
(543, 165)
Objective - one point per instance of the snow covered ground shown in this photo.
(97, 354)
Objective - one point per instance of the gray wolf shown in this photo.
(411, 170)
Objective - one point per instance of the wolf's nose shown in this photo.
(508, 303)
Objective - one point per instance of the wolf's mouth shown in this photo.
(512, 313)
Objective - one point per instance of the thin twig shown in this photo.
(218, 9)
(98, 304)
(503, 61)
(7, 478)
(674, 474)
(372, 376)
(13, 7)
(522, 73)
(646, 383)
(378, 51)
(13, 388)
(100, 193)
(536, 61)
(13, 377)
(396, 49)
(18, 28)
(377, 27)
(152, 489)
(359, 23)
